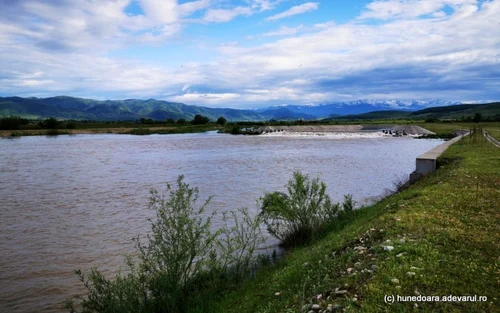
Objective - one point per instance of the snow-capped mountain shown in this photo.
(358, 107)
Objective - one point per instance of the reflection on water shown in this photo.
(76, 202)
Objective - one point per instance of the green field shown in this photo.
(445, 240)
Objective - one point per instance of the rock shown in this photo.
(306, 264)
(315, 307)
(402, 240)
(374, 267)
(354, 299)
(417, 293)
(306, 308)
(357, 264)
(388, 241)
(388, 248)
(311, 311)
(340, 292)
(277, 294)
(337, 307)
(398, 287)
(359, 248)
(395, 281)
(410, 274)
(349, 270)
(401, 254)
(319, 297)
(415, 268)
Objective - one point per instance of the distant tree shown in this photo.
(50, 123)
(200, 119)
(12, 122)
(477, 118)
(70, 125)
(221, 120)
(181, 121)
(170, 121)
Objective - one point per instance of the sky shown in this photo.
(251, 53)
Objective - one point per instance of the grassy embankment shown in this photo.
(444, 237)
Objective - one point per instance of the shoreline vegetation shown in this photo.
(415, 242)
(14, 126)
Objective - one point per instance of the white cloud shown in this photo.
(188, 8)
(225, 15)
(388, 9)
(263, 5)
(299, 9)
(283, 31)
(161, 11)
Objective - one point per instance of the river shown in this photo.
(72, 202)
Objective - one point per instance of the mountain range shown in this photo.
(64, 107)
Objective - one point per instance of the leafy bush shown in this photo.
(55, 132)
(141, 131)
(70, 125)
(236, 130)
(294, 217)
(50, 123)
(182, 260)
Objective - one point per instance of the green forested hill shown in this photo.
(488, 110)
(78, 108)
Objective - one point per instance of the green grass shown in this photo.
(495, 132)
(444, 231)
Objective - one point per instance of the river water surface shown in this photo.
(71, 202)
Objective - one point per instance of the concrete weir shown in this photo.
(427, 162)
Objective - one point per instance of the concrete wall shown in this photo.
(427, 162)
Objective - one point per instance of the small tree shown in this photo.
(221, 120)
(51, 123)
(182, 258)
(200, 119)
(295, 216)
(477, 118)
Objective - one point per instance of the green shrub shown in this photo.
(182, 261)
(70, 125)
(140, 131)
(294, 217)
(50, 123)
(55, 132)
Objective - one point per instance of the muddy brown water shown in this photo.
(72, 202)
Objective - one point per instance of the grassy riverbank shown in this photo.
(438, 238)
